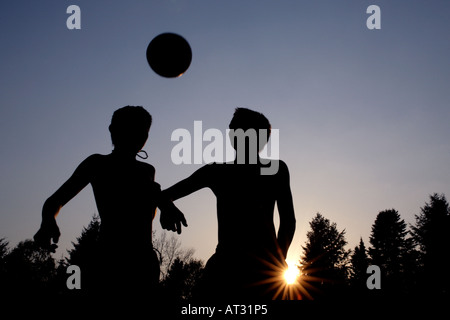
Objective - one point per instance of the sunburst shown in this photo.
(297, 288)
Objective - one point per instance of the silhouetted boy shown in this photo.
(126, 197)
(250, 255)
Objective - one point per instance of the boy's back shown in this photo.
(126, 197)
(125, 194)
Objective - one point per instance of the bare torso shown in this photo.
(125, 194)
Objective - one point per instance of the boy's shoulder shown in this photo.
(281, 166)
(102, 159)
(146, 167)
(95, 159)
(275, 167)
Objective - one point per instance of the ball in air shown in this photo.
(169, 55)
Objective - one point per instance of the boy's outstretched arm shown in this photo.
(171, 217)
(49, 230)
(285, 205)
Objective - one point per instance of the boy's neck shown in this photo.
(124, 154)
(248, 159)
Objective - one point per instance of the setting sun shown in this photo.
(292, 273)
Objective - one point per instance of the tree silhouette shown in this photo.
(3, 254)
(29, 270)
(85, 253)
(169, 249)
(182, 278)
(325, 259)
(359, 263)
(391, 250)
(3, 249)
(179, 271)
(86, 243)
(431, 234)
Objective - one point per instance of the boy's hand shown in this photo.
(172, 218)
(49, 231)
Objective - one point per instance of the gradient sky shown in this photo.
(363, 114)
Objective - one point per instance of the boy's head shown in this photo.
(246, 119)
(129, 128)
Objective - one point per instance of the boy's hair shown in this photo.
(245, 119)
(129, 119)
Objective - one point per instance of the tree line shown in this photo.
(28, 271)
(412, 260)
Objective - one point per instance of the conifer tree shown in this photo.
(431, 234)
(325, 259)
(359, 263)
(391, 250)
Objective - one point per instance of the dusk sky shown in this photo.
(363, 115)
